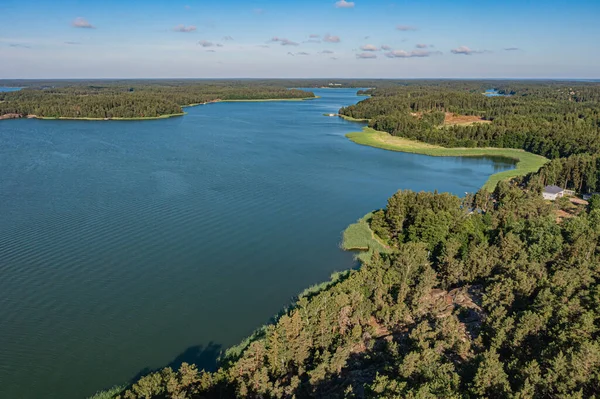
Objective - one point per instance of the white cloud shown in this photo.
(302, 53)
(326, 52)
(512, 49)
(226, 38)
(366, 55)
(405, 28)
(331, 39)
(314, 36)
(80, 22)
(184, 29)
(369, 47)
(284, 41)
(344, 4)
(411, 54)
(205, 43)
(422, 45)
(385, 47)
(464, 50)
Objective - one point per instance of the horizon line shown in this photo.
(315, 78)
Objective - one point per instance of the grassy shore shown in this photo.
(351, 119)
(359, 237)
(526, 161)
(108, 119)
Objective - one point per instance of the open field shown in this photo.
(526, 162)
(462, 120)
(451, 119)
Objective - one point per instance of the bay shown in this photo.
(128, 246)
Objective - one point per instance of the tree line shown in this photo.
(536, 121)
(130, 99)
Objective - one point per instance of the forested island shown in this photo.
(496, 294)
(132, 100)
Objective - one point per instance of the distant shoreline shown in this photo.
(146, 118)
(268, 100)
(251, 101)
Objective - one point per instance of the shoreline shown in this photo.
(251, 101)
(526, 162)
(264, 100)
(66, 118)
(351, 119)
(145, 118)
(358, 236)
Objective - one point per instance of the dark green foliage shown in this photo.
(579, 172)
(541, 118)
(133, 100)
(594, 203)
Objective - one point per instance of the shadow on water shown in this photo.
(211, 356)
(205, 357)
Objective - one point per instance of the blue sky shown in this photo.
(324, 38)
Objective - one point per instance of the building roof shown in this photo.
(553, 189)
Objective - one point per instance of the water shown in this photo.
(132, 245)
(5, 89)
(494, 93)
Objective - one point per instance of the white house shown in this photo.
(553, 192)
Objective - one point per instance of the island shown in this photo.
(131, 100)
(495, 294)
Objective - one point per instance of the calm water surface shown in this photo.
(132, 245)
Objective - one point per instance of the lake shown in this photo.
(128, 246)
